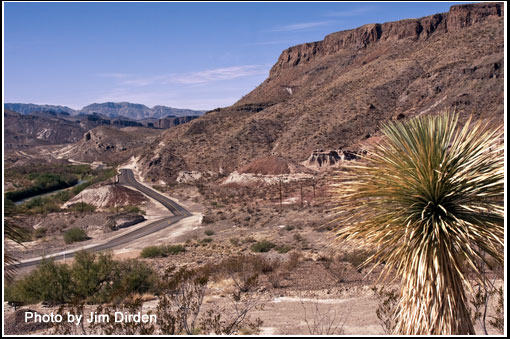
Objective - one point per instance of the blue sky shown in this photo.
(184, 55)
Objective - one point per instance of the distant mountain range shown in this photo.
(109, 109)
(51, 128)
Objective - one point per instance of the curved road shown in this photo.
(127, 178)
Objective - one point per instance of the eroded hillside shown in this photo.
(335, 93)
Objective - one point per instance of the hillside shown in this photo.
(335, 93)
(51, 128)
(108, 144)
(39, 129)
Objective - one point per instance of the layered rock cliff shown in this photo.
(459, 17)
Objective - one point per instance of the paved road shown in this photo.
(127, 178)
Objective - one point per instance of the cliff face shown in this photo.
(168, 122)
(335, 93)
(457, 18)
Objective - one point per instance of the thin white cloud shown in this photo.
(226, 73)
(200, 77)
(204, 89)
(301, 26)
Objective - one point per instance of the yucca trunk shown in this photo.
(433, 301)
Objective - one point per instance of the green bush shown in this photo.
(50, 282)
(94, 278)
(161, 251)
(82, 207)
(74, 235)
(63, 196)
(209, 232)
(44, 182)
(174, 249)
(283, 248)
(152, 252)
(133, 209)
(262, 246)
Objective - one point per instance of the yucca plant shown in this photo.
(429, 199)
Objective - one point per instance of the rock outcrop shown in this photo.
(459, 17)
(106, 196)
(321, 159)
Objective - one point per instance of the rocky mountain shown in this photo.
(29, 108)
(109, 144)
(51, 128)
(334, 94)
(137, 111)
(42, 128)
(109, 109)
(170, 121)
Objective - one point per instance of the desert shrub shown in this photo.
(63, 196)
(245, 270)
(208, 219)
(40, 232)
(206, 240)
(262, 246)
(152, 252)
(387, 308)
(283, 248)
(133, 209)
(234, 241)
(78, 188)
(135, 277)
(174, 249)
(209, 232)
(50, 282)
(94, 278)
(498, 319)
(322, 320)
(74, 235)
(44, 182)
(35, 202)
(82, 207)
(293, 260)
(92, 275)
(356, 258)
(161, 251)
(50, 206)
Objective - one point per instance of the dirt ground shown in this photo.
(323, 292)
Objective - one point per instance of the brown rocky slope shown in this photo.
(334, 93)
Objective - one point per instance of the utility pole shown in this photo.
(313, 185)
(301, 188)
(281, 194)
